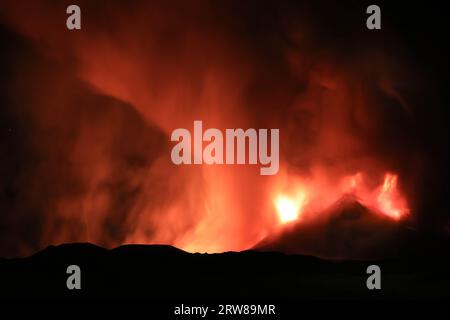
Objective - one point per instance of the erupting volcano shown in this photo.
(90, 112)
(385, 199)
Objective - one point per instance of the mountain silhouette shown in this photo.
(165, 273)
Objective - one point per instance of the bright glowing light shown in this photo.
(289, 209)
(389, 200)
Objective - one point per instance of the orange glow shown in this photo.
(289, 209)
(389, 200)
(109, 171)
(385, 199)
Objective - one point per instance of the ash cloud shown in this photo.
(90, 112)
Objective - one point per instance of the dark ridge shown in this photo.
(165, 273)
(84, 248)
(147, 249)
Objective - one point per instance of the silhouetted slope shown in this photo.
(167, 273)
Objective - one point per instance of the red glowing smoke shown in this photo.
(108, 96)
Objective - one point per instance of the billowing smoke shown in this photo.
(90, 113)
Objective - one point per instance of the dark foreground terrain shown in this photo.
(165, 273)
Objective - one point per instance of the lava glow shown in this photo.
(385, 198)
(389, 200)
(289, 209)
